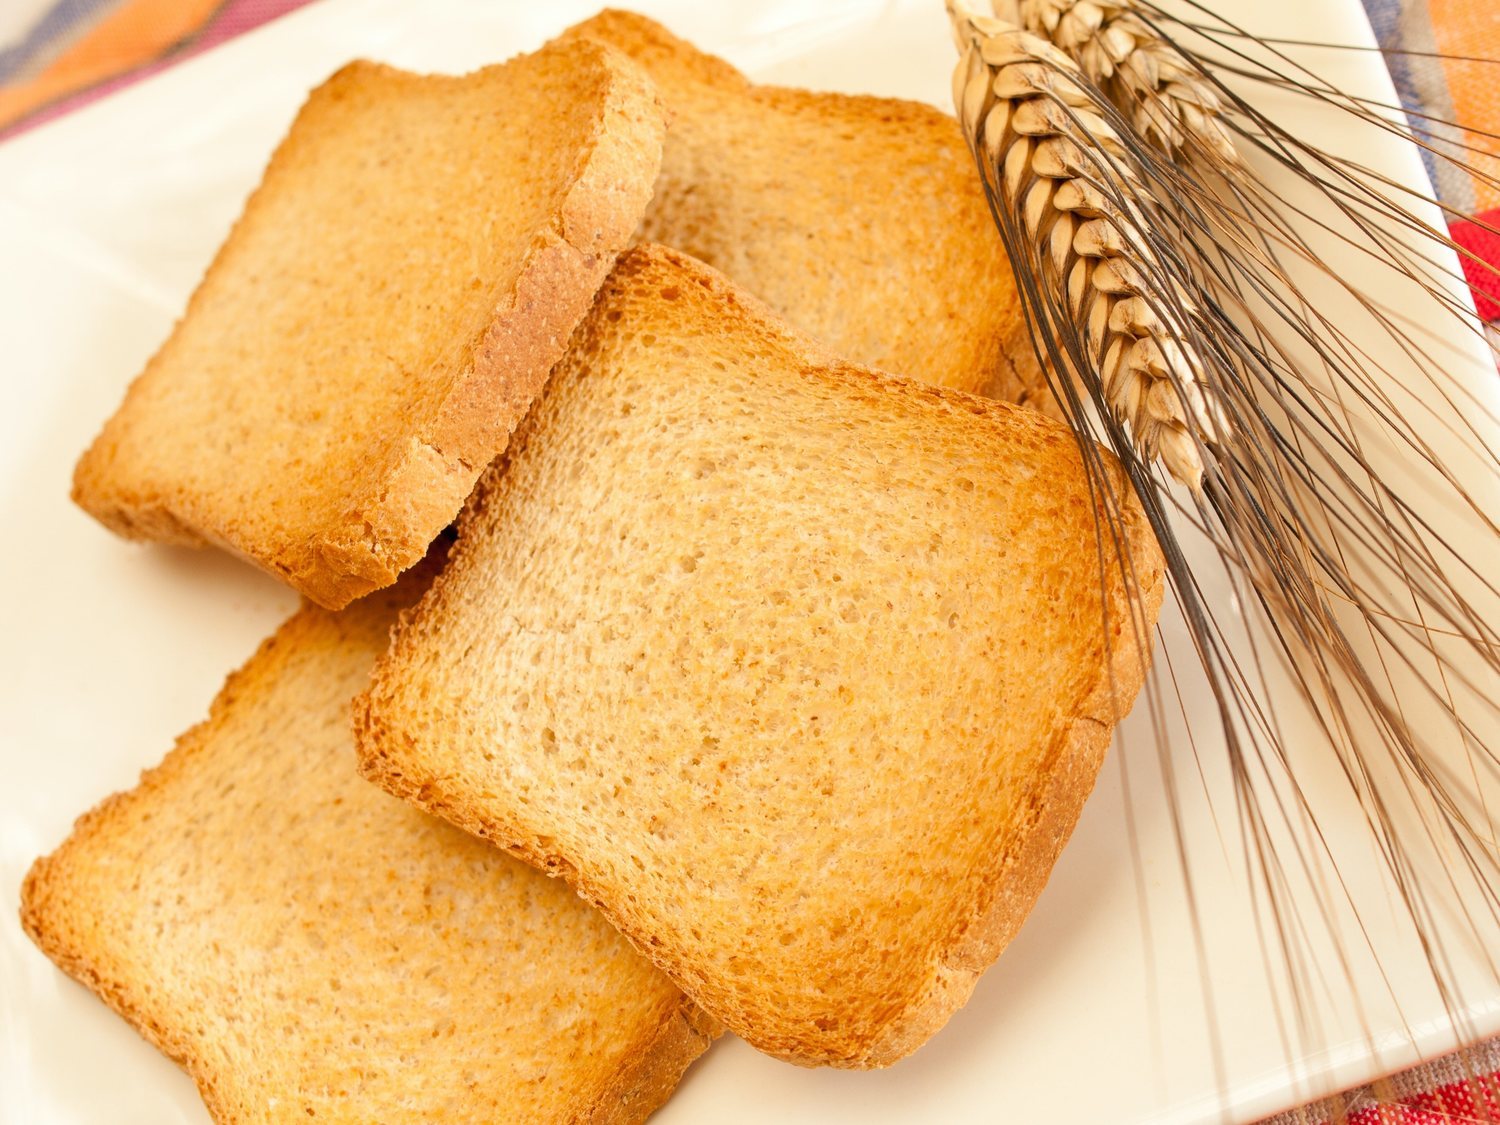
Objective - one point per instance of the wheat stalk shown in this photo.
(1060, 168)
(1166, 96)
(1345, 517)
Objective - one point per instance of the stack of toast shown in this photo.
(774, 637)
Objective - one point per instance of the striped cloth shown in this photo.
(1463, 88)
(1460, 1088)
(77, 50)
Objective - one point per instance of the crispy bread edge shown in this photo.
(974, 945)
(655, 1067)
(385, 533)
(650, 1070)
(1060, 802)
(529, 334)
(68, 950)
(1015, 374)
(37, 892)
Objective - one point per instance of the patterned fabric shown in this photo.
(1463, 1087)
(79, 50)
(1463, 87)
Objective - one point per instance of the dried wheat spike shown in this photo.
(1165, 95)
(1060, 168)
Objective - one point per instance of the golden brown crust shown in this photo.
(103, 906)
(681, 1037)
(50, 923)
(55, 943)
(651, 44)
(1014, 865)
(1021, 877)
(923, 293)
(387, 527)
(654, 1068)
(650, 1072)
(563, 269)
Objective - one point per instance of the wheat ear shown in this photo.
(1061, 169)
(1167, 97)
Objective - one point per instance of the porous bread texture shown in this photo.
(381, 316)
(859, 219)
(310, 948)
(800, 672)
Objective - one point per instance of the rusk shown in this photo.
(381, 316)
(859, 219)
(800, 672)
(309, 948)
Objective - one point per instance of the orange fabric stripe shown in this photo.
(1472, 27)
(134, 34)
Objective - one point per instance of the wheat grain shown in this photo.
(1059, 166)
(1167, 97)
(1352, 486)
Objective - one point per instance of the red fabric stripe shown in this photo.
(1476, 1100)
(1482, 275)
(233, 18)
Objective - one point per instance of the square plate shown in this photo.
(1111, 1004)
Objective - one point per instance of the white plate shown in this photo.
(1097, 1012)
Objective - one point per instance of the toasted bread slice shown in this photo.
(858, 219)
(381, 316)
(799, 671)
(310, 948)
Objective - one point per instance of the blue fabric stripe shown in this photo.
(59, 22)
(1385, 19)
